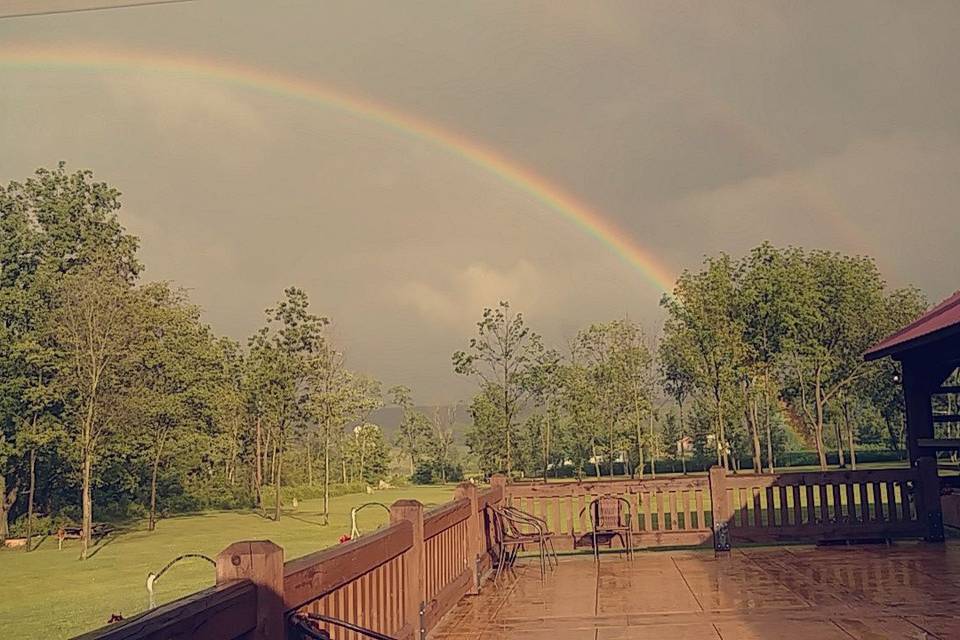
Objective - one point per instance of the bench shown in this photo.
(98, 531)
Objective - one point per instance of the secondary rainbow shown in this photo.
(249, 77)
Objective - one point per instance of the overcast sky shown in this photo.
(695, 127)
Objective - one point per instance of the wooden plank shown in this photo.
(661, 524)
(891, 502)
(445, 516)
(601, 487)
(446, 599)
(653, 539)
(878, 503)
(229, 611)
(784, 507)
(824, 504)
(852, 503)
(830, 532)
(321, 572)
(837, 503)
(864, 503)
(674, 520)
(906, 514)
(701, 522)
(797, 507)
(757, 511)
(820, 477)
(771, 511)
(811, 505)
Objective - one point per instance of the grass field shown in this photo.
(51, 594)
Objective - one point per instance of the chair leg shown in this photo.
(596, 549)
(500, 560)
(553, 550)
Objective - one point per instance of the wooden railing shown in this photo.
(663, 512)
(399, 580)
(749, 508)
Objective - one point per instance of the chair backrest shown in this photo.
(607, 512)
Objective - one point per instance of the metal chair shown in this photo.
(510, 538)
(609, 519)
(540, 525)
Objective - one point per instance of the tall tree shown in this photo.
(286, 352)
(502, 357)
(414, 433)
(98, 332)
(842, 309)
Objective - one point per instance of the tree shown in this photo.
(338, 397)
(703, 324)
(369, 453)
(413, 435)
(50, 225)
(842, 309)
(501, 357)
(286, 352)
(97, 331)
(485, 436)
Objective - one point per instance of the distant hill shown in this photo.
(389, 420)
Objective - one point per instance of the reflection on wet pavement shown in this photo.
(903, 592)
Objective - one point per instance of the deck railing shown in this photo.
(398, 580)
(723, 508)
(402, 578)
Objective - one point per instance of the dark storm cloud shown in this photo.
(697, 127)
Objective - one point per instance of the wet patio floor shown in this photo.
(906, 591)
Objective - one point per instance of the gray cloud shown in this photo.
(695, 127)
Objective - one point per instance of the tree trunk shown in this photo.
(639, 422)
(840, 458)
(850, 441)
(596, 462)
(818, 431)
(546, 445)
(87, 534)
(153, 485)
(278, 454)
(683, 440)
(6, 502)
(309, 463)
(750, 413)
(326, 472)
(653, 449)
(30, 495)
(766, 420)
(258, 477)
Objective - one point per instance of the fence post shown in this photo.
(415, 589)
(720, 508)
(929, 511)
(468, 490)
(500, 480)
(261, 562)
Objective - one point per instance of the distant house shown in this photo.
(683, 445)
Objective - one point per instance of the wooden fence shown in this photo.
(399, 580)
(749, 508)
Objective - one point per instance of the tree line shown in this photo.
(756, 356)
(117, 400)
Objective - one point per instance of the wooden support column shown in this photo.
(261, 562)
(919, 412)
(929, 511)
(468, 490)
(415, 587)
(500, 480)
(720, 508)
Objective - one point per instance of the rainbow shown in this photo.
(526, 180)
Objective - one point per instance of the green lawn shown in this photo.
(51, 594)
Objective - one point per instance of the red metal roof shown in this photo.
(943, 319)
